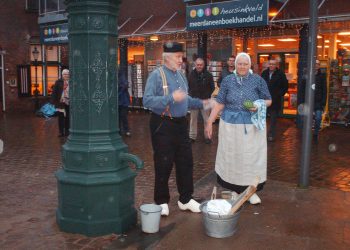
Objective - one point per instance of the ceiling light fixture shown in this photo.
(287, 40)
(266, 45)
(154, 38)
(345, 33)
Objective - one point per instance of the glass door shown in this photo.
(288, 63)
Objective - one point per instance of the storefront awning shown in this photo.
(155, 17)
(152, 24)
(297, 11)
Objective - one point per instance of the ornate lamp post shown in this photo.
(35, 53)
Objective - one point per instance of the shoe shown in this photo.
(192, 140)
(165, 209)
(270, 138)
(192, 205)
(254, 199)
(128, 133)
(207, 141)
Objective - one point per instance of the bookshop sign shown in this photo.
(231, 14)
(54, 34)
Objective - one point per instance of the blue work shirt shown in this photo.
(155, 99)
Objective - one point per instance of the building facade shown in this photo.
(18, 30)
(142, 31)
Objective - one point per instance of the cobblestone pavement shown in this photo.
(28, 188)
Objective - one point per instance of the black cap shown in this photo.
(172, 47)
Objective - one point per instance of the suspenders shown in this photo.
(166, 91)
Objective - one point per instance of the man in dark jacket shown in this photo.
(320, 97)
(201, 85)
(228, 70)
(60, 98)
(278, 85)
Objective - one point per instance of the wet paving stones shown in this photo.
(32, 154)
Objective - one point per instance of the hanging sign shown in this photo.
(231, 14)
(54, 34)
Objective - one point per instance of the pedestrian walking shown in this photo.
(201, 85)
(60, 99)
(278, 86)
(123, 103)
(228, 70)
(242, 148)
(320, 98)
(166, 94)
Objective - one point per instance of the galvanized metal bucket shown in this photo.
(219, 226)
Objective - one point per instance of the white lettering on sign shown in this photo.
(245, 9)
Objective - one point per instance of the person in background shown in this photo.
(228, 70)
(242, 150)
(60, 99)
(166, 94)
(185, 67)
(278, 86)
(200, 85)
(320, 98)
(123, 104)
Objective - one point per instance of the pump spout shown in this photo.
(133, 159)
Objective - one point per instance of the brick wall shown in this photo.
(17, 29)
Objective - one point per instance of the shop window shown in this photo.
(52, 76)
(51, 53)
(36, 77)
(32, 5)
(51, 5)
(61, 5)
(42, 4)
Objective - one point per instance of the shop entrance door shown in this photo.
(288, 63)
(2, 81)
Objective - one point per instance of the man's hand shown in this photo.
(179, 95)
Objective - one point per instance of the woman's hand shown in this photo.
(253, 109)
(209, 129)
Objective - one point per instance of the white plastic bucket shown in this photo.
(150, 217)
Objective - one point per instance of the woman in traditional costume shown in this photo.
(242, 149)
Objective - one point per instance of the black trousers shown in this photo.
(123, 119)
(63, 121)
(273, 122)
(171, 144)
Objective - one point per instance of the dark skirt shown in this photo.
(237, 188)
